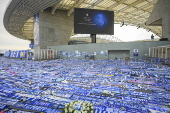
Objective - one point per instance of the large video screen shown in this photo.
(90, 21)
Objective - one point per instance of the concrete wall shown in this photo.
(160, 16)
(55, 29)
(114, 54)
(143, 48)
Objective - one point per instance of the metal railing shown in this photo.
(45, 54)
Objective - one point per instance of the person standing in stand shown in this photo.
(152, 37)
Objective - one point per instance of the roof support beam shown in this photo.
(96, 3)
(131, 5)
(55, 6)
(138, 9)
(117, 3)
(130, 16)
(75, 5)
(146, 5)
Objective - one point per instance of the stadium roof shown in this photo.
(18, 18)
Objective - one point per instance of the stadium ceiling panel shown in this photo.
(18, 18)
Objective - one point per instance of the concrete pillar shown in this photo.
(32, 41)
(160, 16)
(55, 29)
(153, 52)
(166, 27)
(166, 53)
(93, 38)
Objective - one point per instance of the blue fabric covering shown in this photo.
(46, 86)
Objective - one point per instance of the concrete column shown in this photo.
(32, 41)
(156, 53)
(47, 55)
(159, 52)
(55, 29)
(160, 16)
(39, 54)
(162, 53)
(93, 38)
(166, 53)
(153, 53)
(166, 27)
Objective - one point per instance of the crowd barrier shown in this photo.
(45, 54)
(160, 54)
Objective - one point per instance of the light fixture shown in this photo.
(138, 27)
(156, 34)
(122, 24)
(149, 30)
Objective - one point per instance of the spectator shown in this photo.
(152, 37)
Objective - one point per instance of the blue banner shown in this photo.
(31, 45)
(36, 30)
(16, 54)
(22, 54)
(7, 54)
